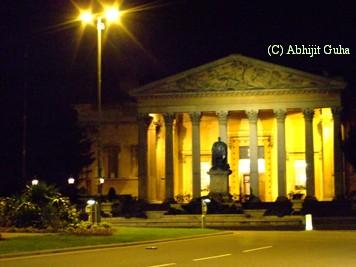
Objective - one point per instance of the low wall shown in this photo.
(223, 221)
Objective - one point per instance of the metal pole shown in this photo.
(99, 29)
(24, 130)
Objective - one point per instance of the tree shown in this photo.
(58, 147)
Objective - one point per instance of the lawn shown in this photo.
(121, 235)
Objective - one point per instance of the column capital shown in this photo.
(280, 114)
(308, 114)
(195, 117)
(144, 119)
(168, 118)
(252, 115)
(336, 111)
(222, 116)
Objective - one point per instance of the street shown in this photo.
(242, 248)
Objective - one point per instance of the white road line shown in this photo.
(254, 249)
(162, 265)
(212, 257)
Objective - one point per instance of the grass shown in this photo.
(121, 235)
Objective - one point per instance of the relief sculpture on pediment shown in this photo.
(237, 75)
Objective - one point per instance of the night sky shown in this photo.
(170, 36)
(43, 48)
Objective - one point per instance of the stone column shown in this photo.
(281, 146)
(222, 118)
(195, 118)
(309, 151)
(151, 156)
(339, 182)
(143, 123)
(169, 163)
(252, 116)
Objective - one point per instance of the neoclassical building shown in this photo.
(282, 127)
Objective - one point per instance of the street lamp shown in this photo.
(71, 180)
(109, 15)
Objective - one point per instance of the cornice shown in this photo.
(252, 92)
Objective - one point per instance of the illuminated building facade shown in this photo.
(282, 127)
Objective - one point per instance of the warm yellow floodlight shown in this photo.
(112, 14)
(86, 16)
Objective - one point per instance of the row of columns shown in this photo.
(252, 116)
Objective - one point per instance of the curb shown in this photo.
(104, 246)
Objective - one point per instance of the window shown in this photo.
(112, 161)
(300, 173)
(134, 160)
(244, 162)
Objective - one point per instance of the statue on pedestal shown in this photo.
(220, 170)
(219, 156)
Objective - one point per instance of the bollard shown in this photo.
(308, 222)
(93, 208)
(204, 211)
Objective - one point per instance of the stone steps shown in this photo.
(231, 221)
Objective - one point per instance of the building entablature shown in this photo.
(238, 83)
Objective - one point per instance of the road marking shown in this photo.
(254, 249)
(212, 257)
(162, 265)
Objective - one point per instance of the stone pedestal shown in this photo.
(219, 181)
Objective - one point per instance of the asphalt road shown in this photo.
(243, 248)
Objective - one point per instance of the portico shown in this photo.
(282, 127)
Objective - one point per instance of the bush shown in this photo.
(281, 207)
(215, 206)
(310, 205)
(39, 206)
(85, 228)
(129, 207)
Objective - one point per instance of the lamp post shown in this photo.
(34, 181)
(204, 210)
(71, 189)
(109, 15)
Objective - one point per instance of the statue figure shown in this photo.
(219, 155)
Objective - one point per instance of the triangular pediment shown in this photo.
(236, 73)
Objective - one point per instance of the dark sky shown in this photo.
(165, 37)
(171, 36)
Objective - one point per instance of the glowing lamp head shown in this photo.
(71, 180)
(86, 17)
(34, 182)
(91, 202)
(112, 14)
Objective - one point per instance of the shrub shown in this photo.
(193, 207)
(310, 205)
(85, 228)
(39, 206)
(281, 207)
(129, 207)
(217, 205)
